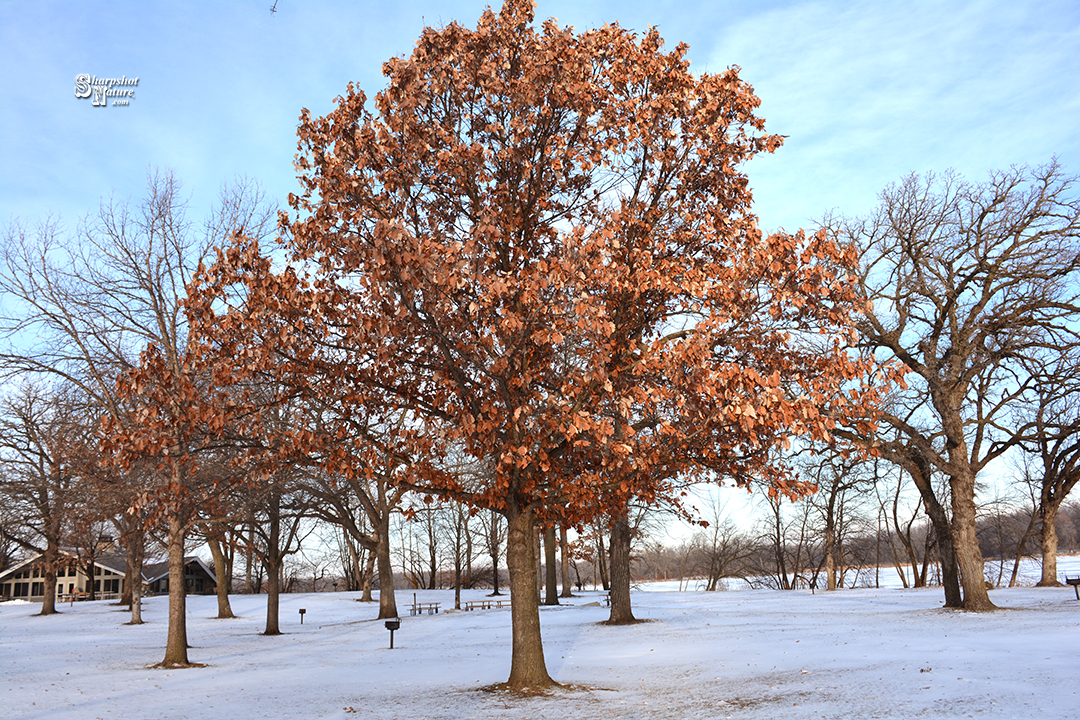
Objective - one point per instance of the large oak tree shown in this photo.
(973, 286)
(536, 247)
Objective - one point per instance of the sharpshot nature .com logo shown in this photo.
(120, 90)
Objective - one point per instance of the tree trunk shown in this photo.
(387, 600)
(457, 560)
(433, 558)
(551, 581)
(830, 560)
(249, 587)
(601, 558)
(920, 473)
(176, 646)
(273, 594)
(272, 561)
(528, 671)
(621, 612)
(52, 554)
(564, 559)
(88, 569)
(966, 543)
(468, 551)
(136, 595)
(830, 541)
(1020, 548)
(538, 554)
(493, 548)
(129, 578)
(220, 575)
(369, 575)
(135, 552)
(1049, 543)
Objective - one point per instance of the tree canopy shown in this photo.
(536, 247)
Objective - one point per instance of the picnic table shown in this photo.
(417, 608)
(1075, 582)
(485, 604)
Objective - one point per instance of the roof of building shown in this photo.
(116, 563)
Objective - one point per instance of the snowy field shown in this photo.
(863, 653)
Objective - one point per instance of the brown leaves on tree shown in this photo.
(538, 248)
(535, 247)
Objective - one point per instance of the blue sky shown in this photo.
(866, 91)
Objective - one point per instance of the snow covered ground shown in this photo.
(865, 653)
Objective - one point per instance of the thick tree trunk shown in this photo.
(621, 612)
(134, 546)
(273, 594)
(88, 570)
(968, 556)
(176, 645)
(387, 600)
(133, 535)
(220, 577)
(1048, 540)
(950, 579)
(272, 561)
(551, 581)
(528, 671)
(564, 559)
(129, 579)
(136, 595)
(52, 554)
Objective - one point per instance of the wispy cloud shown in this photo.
(868, 92)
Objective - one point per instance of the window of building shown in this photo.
(37, 589)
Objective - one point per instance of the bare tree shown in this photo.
(1054, 439)
(83, 306)
(785, 551)
(281, 512)
(964, 283)
(564, 564)
(903, 527)
(720, 548)
(841, 482)
(494, 536)
(39, 429)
